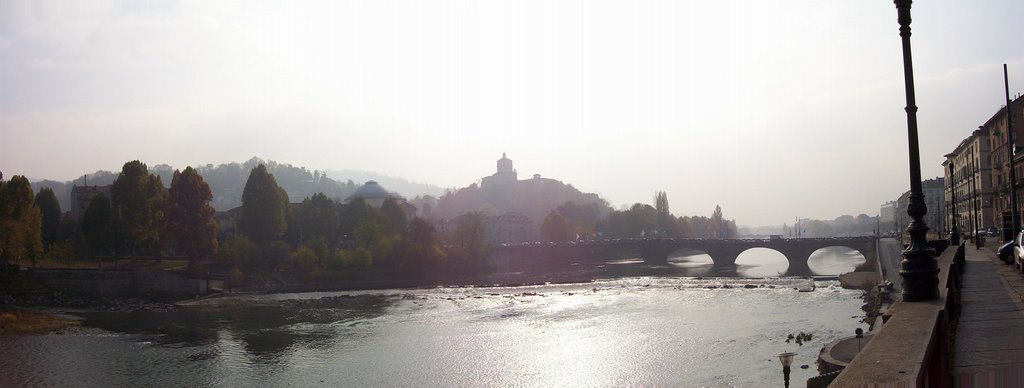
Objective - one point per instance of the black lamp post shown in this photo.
(919, 270)
(954, 232)
(974, 205)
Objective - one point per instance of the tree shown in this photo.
(264, 207)
(239, 252)
(667, 224)
(20, 221)
(318, 217)
(352, 214)
(421, 243)
(49, 207)
(469, 238)
(138, 200)
(98, 225)
(555, 228)
(189, 217)
(716, 226)
(394, 216)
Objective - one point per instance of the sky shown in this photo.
(773, 109)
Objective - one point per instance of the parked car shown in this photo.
(1018, 251)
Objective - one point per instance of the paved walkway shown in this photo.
(990, 335)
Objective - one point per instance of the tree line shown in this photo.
(571, 221)
(140, 217)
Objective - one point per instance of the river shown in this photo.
(663, 330)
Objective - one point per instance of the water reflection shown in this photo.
(834, 260)
(760, 262)
(264, 331)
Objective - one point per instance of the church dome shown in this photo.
(505, 164)
(370, 190)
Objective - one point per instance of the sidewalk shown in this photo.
(990, 334)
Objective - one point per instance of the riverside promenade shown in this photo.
(989, 350)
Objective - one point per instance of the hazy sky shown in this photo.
(772, 109)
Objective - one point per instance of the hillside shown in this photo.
(227, 181)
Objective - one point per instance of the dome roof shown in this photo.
(370, 190)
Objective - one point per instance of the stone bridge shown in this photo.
(657, 251)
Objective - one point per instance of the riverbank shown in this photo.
(21, 321)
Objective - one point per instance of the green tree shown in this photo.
(98, 225)
(189, 217)
(318, 216)
(49, 207)
(394, 216)
(420, 242)
(20, 221)
(716, 226)
(240, 252)
(264, 207)
(555, 228)
(303, 261)
(138, 200)
(469, 239)
(668, 225)
(352, 214)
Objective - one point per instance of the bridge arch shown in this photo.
(760, 261)
(835, 259)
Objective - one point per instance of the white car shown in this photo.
(1018, 251)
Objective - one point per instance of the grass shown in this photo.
(29, 322)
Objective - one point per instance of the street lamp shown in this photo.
(860, 334)
(918, 269)
(954, 232)
(786, 359)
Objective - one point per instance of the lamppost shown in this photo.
(918, 269)
(786, 359)
(860, 334)
(954, 232)
(1014, 220)
(974, 194)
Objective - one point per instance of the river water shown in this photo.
(664, 330)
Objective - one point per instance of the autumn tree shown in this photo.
(138, 200)
(264, 207)
(20, 221)
(189, 217)
(98, 225)
(49, 208)
(555, 228)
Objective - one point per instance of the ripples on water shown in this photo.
(643, 330)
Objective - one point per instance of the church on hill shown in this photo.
(506, 175)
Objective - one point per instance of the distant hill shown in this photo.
(227, 181)
(534, 198)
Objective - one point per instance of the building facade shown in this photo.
(972, 180)
(1000, 163)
